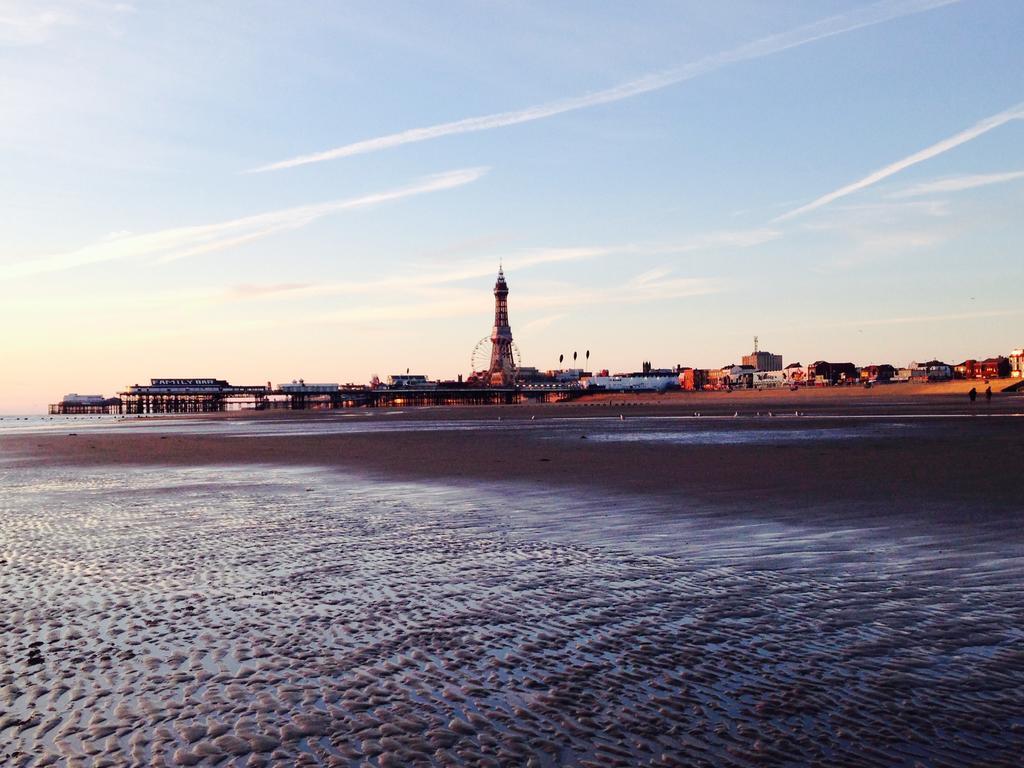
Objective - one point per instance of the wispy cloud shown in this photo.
(181, 242)
(417, 279)
(729, 238)
(413, 278)
(868, 247)
(957, 184)
(248, 290)
(926, 319)
(35, 21)
(656, 285)
(870, 15)
(540, 324)
(874, 217)
(864, 233)
(25, 25)
(978, 129)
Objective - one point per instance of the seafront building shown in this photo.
(1017, 364)
(877, 374)
(989, 368)
(796, 373)
(732, 376)
(693, 379)
(760, 360)
(825, 373)
(933, 370)
(634, 382)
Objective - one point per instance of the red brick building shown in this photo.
(989, 368)
(693, 379)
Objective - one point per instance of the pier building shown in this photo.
(192, 396)
(410, 381)
(300, 395)
(75, 404)
(185, 396)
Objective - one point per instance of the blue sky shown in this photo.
(267, 191)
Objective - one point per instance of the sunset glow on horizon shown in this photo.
(266, 193)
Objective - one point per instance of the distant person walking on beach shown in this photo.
(973, 394)
(988, 394)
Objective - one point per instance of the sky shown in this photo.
(266, 191)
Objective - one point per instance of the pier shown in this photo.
(194, 396)
(109, 407)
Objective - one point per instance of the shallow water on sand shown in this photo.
(256, 615)
(704, 430)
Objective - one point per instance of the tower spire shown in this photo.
(502, 369)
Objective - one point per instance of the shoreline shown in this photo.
(951, 395)
(944, 461)
(880, 400)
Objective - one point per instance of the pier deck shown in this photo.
(219, 397)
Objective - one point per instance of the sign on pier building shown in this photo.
(188, 383)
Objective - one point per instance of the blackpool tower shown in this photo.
(502, 371)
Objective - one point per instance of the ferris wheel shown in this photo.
(481, 357)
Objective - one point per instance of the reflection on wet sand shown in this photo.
(255, 616)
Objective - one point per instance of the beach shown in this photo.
(364, 399)
(923, 442)
(756, 579)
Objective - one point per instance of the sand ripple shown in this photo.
(250, 617)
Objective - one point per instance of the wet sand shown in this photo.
(950, 456)
(557, 587)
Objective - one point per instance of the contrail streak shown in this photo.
(976, 130)
(957, 184)
(871, 15)
(180, 242)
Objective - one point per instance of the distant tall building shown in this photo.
(502, 370)
(763, 361)
(1017, 363)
